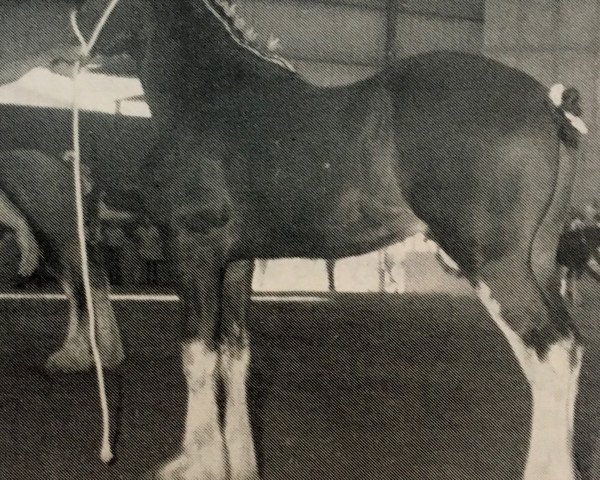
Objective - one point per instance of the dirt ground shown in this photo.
(361, 387)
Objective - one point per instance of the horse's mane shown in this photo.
(243, 34)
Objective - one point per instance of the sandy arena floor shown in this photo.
(362, 387)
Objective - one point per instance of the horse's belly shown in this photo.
(352, 227)
(357, 223)
(366, 219)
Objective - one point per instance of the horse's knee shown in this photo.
(201, 219)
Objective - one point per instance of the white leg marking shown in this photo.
(238, 430)
(493, 308)
(73, 326)
(107, 328)
(553, 383)
(574, 386)
(75, 354)
(202, 456)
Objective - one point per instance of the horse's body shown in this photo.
(255, 162)
(350, 168)
(364, 183)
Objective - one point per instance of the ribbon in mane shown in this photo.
(243, 35)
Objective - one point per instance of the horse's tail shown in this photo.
(566, 111)
(566, 107)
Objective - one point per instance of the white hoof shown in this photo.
(73, 356)
(184, 468)
(76, 356)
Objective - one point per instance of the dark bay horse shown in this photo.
(252, 161)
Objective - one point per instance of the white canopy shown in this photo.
(98, 93)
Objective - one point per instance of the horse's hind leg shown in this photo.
(11, 217)
(546, 345)
(75, 353)
(235, 361)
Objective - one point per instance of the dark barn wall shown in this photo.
(337, 41)
(555, 41)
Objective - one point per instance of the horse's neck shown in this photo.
(192, 62)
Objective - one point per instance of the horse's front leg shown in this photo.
(198, 260)
(235, 361)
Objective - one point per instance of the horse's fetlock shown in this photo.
(544, 338)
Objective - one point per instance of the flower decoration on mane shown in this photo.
(244, 35)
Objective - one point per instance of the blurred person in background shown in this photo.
(578, 251)
(113, 240)
(150, 249)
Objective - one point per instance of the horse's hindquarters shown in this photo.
(477, 161)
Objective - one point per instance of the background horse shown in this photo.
(253, 161)
(37, 203)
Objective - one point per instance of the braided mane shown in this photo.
(244, 35)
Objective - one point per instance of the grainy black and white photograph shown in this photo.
(299, 239)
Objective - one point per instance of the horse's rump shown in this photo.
(478, 152)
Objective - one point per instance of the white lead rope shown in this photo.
(106, 454)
